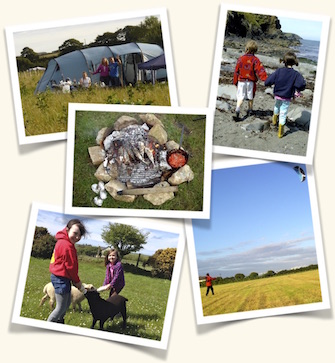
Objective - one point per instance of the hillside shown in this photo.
(264, 29)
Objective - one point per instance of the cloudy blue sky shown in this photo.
(157, 238)
(260, 220)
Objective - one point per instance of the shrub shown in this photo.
(87, 250)
(162, 262)
(43, 244)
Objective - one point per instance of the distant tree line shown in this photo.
(148, 31)
(254, 275)
(125, 238)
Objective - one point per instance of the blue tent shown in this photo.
(73, 64)
(154, 63)
(156, 66)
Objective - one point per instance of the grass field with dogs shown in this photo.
(273, 292)
(147, 299)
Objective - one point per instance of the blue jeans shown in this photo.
(62, 287)
(281, 109)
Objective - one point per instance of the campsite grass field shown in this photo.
(189, 196)
(46, 112)
(146, 306)
(273, 292)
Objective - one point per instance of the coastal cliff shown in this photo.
(265, 29)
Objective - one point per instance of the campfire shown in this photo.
(136, 158)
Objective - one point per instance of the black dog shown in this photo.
(103, 309)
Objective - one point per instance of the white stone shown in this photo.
(113, 186)
(159, 198)
(182, 175)
(97, 154)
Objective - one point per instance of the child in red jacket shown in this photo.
(247, 71)
(64, 268)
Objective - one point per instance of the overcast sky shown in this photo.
(260, 220)
(157, 239)
(42, 38)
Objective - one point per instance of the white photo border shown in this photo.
(231, 162)
(174, 226)
(10, 35)
(308, 158)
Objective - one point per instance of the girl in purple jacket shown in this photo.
(114, 279)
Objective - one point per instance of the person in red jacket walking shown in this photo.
(64, 268)
(247, 71)
(209, 284)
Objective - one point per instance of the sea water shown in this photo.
(308, 49)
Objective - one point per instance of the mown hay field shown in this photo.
(273, 292)
(46, 113)
(145, 309)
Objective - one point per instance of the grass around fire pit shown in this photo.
(189, 196)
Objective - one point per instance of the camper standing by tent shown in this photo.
(114, 71)
(85, 81)
(103, 69)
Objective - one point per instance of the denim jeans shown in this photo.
(63, 298)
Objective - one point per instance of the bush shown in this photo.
(87, 250)
(239, 277)
(162, 262)
(43, 244)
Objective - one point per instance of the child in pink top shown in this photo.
(103, 70)
(114, 279)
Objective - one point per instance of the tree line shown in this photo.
(125, 238)
(148, 31)
(254, 275)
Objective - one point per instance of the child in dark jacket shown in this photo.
(247, 71)
(287, 81)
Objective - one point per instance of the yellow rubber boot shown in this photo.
(274, 120)
(280, 131)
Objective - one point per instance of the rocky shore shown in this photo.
(256, 132)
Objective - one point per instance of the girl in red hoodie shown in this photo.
(64, 268)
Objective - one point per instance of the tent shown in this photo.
(73, 64)
(156, 65)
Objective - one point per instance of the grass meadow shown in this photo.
(46, 112)
(273, 292)
(189, 196)
(145, 309)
